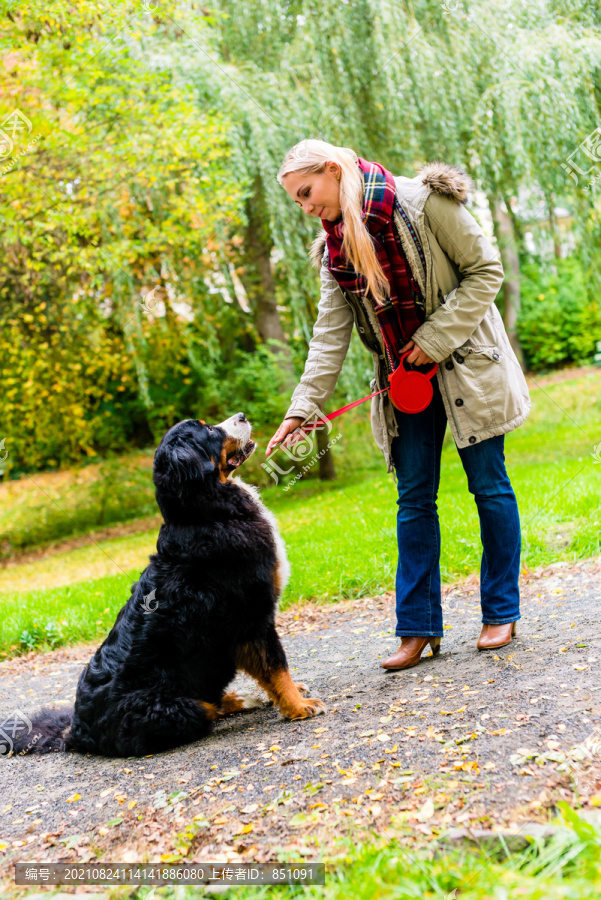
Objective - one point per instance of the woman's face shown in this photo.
(316, 194)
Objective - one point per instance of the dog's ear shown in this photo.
(178, 468)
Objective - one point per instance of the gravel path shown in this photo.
(472, 739)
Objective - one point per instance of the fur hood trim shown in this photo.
(441, 177)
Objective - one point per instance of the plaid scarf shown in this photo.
(401, 314)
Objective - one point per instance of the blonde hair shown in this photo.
(310, 157)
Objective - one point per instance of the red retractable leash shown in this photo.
(410, 392)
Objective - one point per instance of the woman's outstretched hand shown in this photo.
(280, 437)
(417, 356)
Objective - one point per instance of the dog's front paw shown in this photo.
(301, 687)
(306, 709)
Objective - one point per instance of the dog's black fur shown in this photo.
(159, 678)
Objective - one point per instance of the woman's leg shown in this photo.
(484, 465)
(416, 457)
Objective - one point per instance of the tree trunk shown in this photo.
(506, 240)
(258, 279)
(327, 469)
(259, 284)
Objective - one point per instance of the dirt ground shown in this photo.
(467, 740)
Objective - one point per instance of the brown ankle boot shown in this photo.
(493, 636)
(410, 651)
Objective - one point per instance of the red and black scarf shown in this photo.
(401, 314)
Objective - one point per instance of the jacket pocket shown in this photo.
(486, 386)
(480, 351)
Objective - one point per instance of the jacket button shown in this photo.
(458, 357)
(458, 402)
(472, 440)
(495, 356)
(448, 365)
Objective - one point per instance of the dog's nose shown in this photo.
(241, 417)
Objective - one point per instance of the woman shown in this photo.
(405, 261)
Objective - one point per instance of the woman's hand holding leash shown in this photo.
(281, 435)
(417, 356)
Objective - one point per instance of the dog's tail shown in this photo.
(47, 730)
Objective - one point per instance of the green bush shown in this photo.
(559, 323)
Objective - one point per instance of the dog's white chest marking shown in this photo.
(283, 566)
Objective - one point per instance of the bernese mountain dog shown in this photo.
(203, 609)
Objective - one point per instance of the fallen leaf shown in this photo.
(302, 819)
(427, 810)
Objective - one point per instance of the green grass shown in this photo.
(566, 867)
(341, 535)
(65, 615)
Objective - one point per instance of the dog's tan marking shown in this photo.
(228, 447)
(223, 470)
(278, 579)
(231, 703)
(288, 697)
(211, 711)
(280, 687)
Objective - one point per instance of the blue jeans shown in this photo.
(416, 455)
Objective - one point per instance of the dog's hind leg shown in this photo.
(152, 723)
(239, 701)
(265, 660)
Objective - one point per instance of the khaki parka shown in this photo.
(481, 381)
